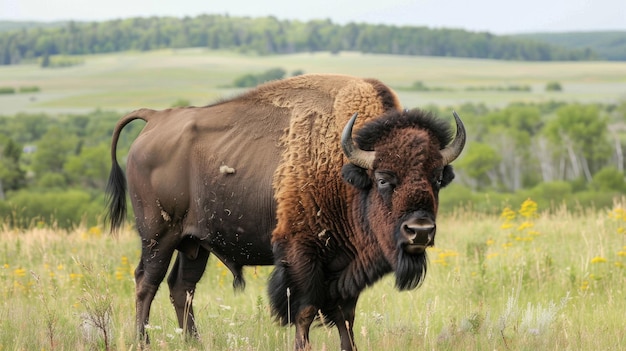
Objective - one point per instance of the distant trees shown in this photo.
(12, 175)
(53, 170)
(521, 146)
(582, 134)
(267, 35)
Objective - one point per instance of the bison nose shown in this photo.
(419, 231)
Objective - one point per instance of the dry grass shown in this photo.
(526, 280)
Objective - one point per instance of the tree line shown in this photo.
(269, 35)
(53, 170)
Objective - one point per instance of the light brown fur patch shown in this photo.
(307, 179)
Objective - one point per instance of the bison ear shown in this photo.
(448, 176)
(356, 176)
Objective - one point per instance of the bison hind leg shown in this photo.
(185, 274)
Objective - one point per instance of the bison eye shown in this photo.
(385, 180)
(439, 180)
(443, 177)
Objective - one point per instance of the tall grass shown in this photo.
(527, 279)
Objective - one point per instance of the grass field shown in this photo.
(525, 280)
(126, 81)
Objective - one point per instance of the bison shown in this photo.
(276, 176)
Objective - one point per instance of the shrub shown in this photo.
(60, 61)
(609, 178)
(251, 80)
(64, 209)
(30, 89)
(7, 90)
(246, 81)
(181, 103)
(419, 86)
(553, 86)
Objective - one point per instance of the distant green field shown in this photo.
(125, 81)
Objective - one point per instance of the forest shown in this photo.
(269, 35)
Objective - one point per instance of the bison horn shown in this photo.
(356, 156)
(452, 151)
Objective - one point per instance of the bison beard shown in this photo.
(410, 270)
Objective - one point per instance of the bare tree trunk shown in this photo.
(517, 173)
(619, 154)
(573, 158)
(585, 167)
(546, 162)
(562, 167)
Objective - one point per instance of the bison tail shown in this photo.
(116, 197)
(281, 300)
(116, 185)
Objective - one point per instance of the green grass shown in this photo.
(126, 81)
(547, 281)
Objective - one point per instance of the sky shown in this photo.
(495, 16)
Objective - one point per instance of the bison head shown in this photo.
(401, 161)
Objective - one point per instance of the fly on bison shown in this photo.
(335, 185)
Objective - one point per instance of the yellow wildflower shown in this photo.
(19, 272)
(95, 231)
(493, 255)
(584, 286)
(528, 209)
(506, 225)
(490, 242)
(448, 253)
(508, 214)
(523, 238)
(598, 259)
(440, 261)
(618, 214)
(525, 225)
(621, 253)
(6, 266)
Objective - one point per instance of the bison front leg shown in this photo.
(182, 281)
(304, 318)
(344, 320)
